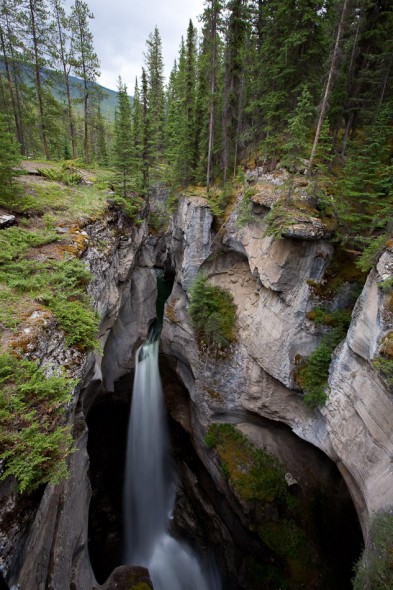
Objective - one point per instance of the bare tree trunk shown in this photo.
(11, 89)
(329, 84)
(67, 85)
(38, 82)
(213, 36)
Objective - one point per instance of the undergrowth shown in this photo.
(312, 375)
(254, 474)
(34, 442)
(15, 241)
(61, 287)
(374, 570)
(213, 314)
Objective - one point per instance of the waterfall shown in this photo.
(150, 487)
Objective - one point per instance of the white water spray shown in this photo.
(149, 494)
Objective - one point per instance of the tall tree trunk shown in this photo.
(86, 126)
(145, 134)
(67, 84)
(213, 37)
(71, 116)
(38, 82)
(329, 84)
(11, 90)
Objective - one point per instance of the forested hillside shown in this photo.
(304, 85)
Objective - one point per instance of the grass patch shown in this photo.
(59, 286)
(253, 473)
(15, 241)
(213, 314)
(34, 443)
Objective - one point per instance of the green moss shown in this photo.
(34, 443)
(286, 539)
(253, 473)
(213, 314)
(323, 316)
(341, 269)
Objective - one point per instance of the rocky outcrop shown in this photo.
(359, 410)
(49, 548)
(270, 282)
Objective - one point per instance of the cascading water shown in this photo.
(150, 486)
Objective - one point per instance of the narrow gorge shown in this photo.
(323, 470)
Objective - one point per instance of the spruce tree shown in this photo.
(155, 98)
(86, 63)
(38, 32)
(123, 148)
(63, 57)
(365, 209)
(9, 159)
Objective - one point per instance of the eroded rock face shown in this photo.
(47, 549)
(268, 280)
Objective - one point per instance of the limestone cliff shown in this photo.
(272, 285)
(44, 540)
(270, 281)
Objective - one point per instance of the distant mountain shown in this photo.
(109, 97)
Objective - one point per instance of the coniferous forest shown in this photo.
(298, 93)
(305, 85)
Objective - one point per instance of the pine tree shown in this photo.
(145, 132)
(137, 138)
(123, 148)
(63, 56)
(365, 209)
(155, 98)
(209, 62)
(295, 148)
(8, 41)
(9, 158)
(329, 82)
(86, 63)
(234, 78)
(38, 31)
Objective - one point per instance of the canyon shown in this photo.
(336, 458)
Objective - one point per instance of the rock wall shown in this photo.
(47, 548)
(270, 282)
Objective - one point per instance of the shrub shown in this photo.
(34, 443)
(374, 570)
(213, 313)
(313, 375)
(15, 242)
(60, 286)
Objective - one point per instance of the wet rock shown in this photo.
(127, 577)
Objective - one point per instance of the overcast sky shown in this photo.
(121, 27)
